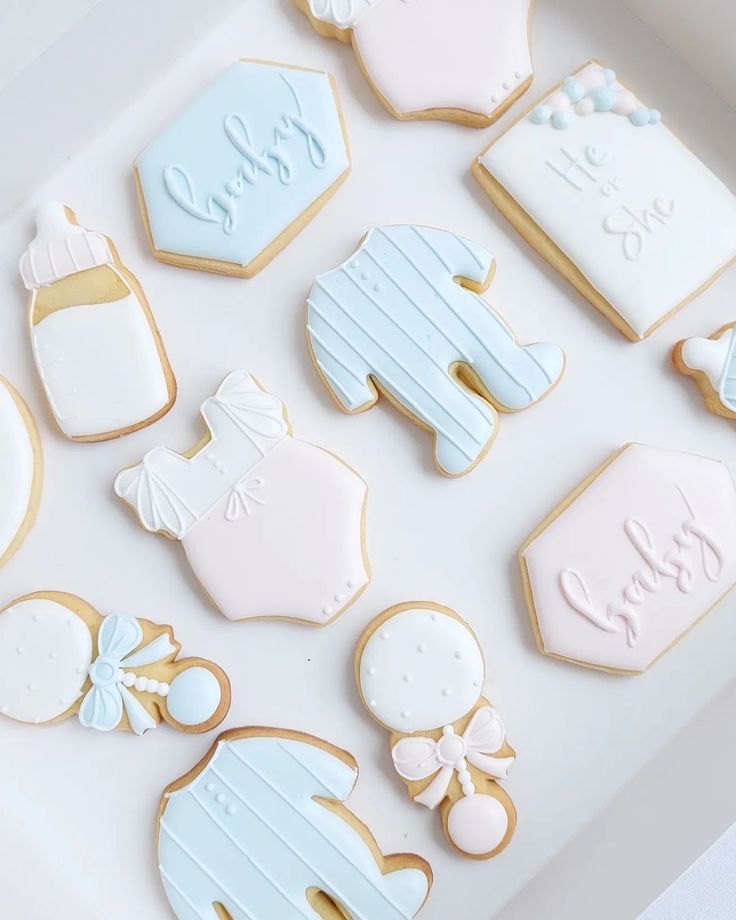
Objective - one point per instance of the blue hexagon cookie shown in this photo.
(235, 176)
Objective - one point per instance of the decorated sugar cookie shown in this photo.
(21, 470)
(95, 342)
(465, 61)
(272, 526)
(631, 560)
(258, 831)
(420, 671)
(712, 363)
(250, 161)
(60, 658)
(593, 179)
(403, 316)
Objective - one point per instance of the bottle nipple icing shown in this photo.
(60, 248)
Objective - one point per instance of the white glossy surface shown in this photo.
(580, 735)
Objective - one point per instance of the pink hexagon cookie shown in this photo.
(632, 559)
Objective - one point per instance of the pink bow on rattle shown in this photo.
(418, 758)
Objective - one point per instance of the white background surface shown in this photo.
(77, 809)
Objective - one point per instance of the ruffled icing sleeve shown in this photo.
(343, 14)
(158, 506)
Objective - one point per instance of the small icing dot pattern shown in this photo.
(222, 796)
(420, 670)
(45, 654)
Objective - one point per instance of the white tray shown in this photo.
(77, 809)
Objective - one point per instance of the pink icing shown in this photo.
(638, 558)
(468, 54)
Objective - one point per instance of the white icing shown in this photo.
(193, 696)
(45, 654)
(17, 463)
(715, 359)
(249, 834)
(394, 311)
(420, 669)
(633, 209)
(341, 13)
(255, 505)
(60, 248)
(100, 366)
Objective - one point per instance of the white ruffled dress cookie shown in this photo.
(465, 61)
(272, 526)
(420, 672)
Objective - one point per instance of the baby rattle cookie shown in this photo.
(629, 562)
(403, 316)
(272, 526)
(711, 363)
(236, 175)
(420, 671)
(258, 830)
(59, 657)
(95, 342)
(466, 61)
(593, 179)
(21, 470)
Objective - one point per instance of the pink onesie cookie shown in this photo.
(272, 526)
(465, 61)
(420, 671)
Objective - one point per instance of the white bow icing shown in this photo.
(103, 706)
(241, 496)
(419, 758)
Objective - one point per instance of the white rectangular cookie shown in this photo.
(594, 180)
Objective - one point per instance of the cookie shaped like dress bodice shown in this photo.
(272, 526)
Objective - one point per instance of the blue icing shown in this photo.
(247, 833)
(394, 313)
(243, 161)
(583, 94)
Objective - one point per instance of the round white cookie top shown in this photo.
(45, 654)
(421, 669)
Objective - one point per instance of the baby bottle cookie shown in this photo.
(95, 342)
(259, 828)
(244, 168)
(420, 671)
(403, 316)
(59, 658)
(272, 526)
(466, 61)
(21, 470)
(712, 364)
